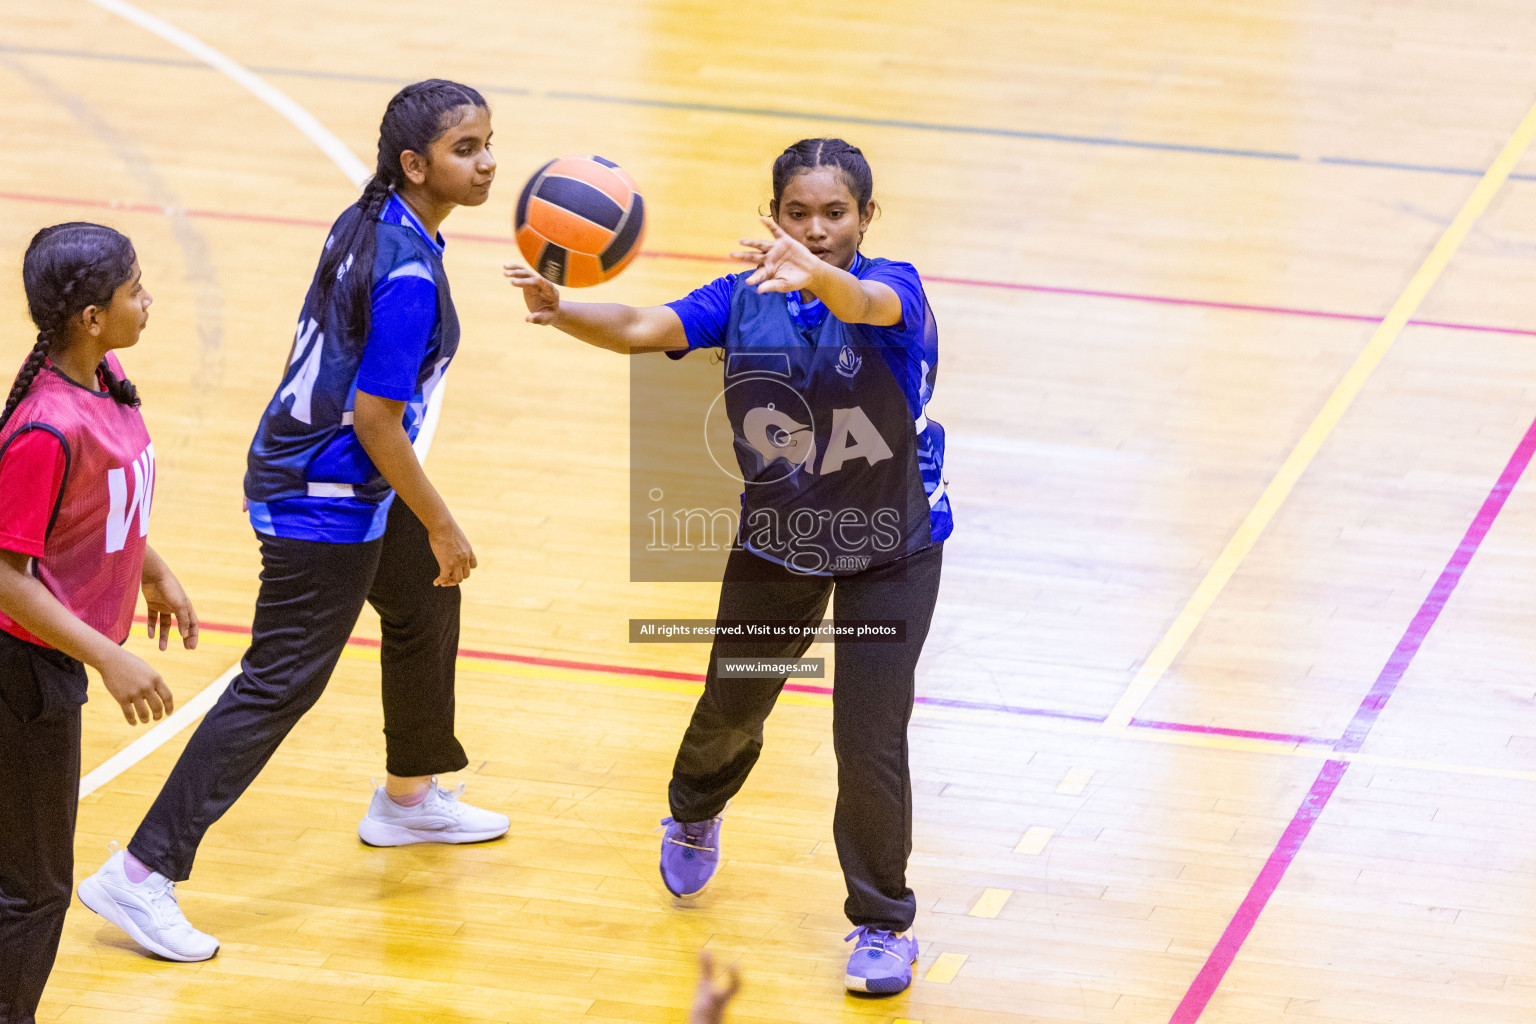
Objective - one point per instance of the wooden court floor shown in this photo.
(1189, 746)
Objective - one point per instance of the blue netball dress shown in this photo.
(307, 475)
(843, 470)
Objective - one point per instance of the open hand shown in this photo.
(783, 265)
(168, 603)
(542, 296)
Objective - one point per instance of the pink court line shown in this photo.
(1328, 778)
(1016, 286)
(1246, 734)
(811, 688)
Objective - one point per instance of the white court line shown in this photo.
(152, 740)
(357, 172)
(1236, 744)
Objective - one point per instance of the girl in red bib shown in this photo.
(77, 478)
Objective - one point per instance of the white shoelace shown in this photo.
(870, 938)
(686, 836)
(448, 801)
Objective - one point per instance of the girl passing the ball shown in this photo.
(829, 359)
(345, 516)
(77, 475)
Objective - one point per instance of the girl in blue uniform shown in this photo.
(844, 500)
(331, 455)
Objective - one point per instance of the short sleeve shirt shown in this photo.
(706, 311)
(31, 479)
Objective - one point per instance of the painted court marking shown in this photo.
(656, 680)
(158, 735)
(1332, 772)
(1242, 542)
(1075, 781)
(782, 113)
(1035, 840)
(991, 903)
(693, 257)
(945, 968)
(356, 173)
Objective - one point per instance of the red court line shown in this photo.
(812, 688)
(1015, 286)
(1246, 734)
(1323, 787)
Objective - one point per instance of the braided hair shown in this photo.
(811, 153)
(416, 117)
(67, 268)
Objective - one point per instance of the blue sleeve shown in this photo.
(705, 312)
(400, 326)
(903, 280)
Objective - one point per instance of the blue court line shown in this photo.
(783, 114)
(926, 126)
(1391, 165)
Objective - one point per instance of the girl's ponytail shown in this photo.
(30, 368)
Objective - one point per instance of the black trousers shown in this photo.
(41, 691)
(311, 595)
(872, 703)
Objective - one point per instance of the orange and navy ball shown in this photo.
(579, 220)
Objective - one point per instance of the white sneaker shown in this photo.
(146, 910)
(440, 818)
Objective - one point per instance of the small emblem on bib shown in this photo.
(848, 362)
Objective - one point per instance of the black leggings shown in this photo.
(874, 691)
(41, 691)
(311, 594)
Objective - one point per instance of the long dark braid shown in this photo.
(67, 268)
(417, 116)
(30, 368)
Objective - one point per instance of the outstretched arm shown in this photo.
(784, 265)
(627, 330)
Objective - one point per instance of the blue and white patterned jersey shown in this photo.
(307, 475)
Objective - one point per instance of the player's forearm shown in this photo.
(389, 448)
(24, 598)
(607, 325)
(154, 566)
(854, 301)
(627, 330)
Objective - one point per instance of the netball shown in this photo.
(579, 220)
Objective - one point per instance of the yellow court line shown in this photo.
(1035, 840)
(946, 967)
(1075, 781)
(1242, 542)
(991, 903)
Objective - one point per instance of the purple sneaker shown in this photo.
(881, 962)
(690, 854)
